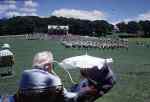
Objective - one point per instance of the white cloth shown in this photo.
(84, 61)
(5, 52)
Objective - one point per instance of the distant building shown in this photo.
(116, 29)
(58, 30)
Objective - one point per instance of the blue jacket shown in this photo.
(37, 78)
(8, 98)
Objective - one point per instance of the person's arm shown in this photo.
(70, 96)
(88, 90)
(97, 86)
(80, 92)
(103, 86)
(0, 98)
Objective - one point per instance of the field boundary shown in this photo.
(12, 36)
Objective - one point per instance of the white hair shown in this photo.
(42, 58)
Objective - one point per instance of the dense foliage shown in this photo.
(141, 27)
(31, 24)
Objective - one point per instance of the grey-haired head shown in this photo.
(43, 60)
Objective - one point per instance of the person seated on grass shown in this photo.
(95, 83)
(41, 84)
(6, 56)
(6, 59)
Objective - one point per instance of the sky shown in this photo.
(113, 11)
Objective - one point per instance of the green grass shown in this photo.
(131, 67)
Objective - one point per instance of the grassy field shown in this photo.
(131, 67)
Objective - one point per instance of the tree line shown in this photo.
(141, 28)
(33, 24)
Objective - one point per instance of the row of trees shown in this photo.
(31, 24)
(141, 27)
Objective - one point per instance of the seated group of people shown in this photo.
(41, 84)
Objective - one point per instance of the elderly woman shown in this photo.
(40, 84)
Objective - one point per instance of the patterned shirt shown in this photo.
(5, 52)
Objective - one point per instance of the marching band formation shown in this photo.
(94, 42)
(76, 41)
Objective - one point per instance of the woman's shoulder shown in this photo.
(7, 99)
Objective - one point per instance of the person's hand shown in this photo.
(90, 90)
